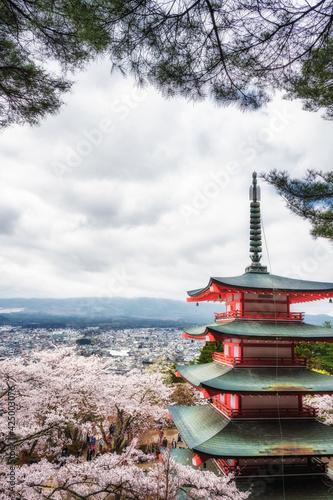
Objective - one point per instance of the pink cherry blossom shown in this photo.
(60, 399)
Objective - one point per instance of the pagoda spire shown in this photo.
(255, 229)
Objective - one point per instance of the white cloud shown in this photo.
(126, 193)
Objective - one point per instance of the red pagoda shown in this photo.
(256, 423)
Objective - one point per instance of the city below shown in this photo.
(128, 333)
(124, 349)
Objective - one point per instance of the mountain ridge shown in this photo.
(113, 308)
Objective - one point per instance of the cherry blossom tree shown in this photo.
(325, 406)
(61, 398)
(182, 393)
(53, 403)
(118, 475)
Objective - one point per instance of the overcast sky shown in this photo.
(125, 193)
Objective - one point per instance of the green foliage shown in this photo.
(83, 341)
(184, 395)
(31, 35)
(27, 91)
(318, 354)
(167, 370)
(236, 52)
(311, 198)
(315, 83)
(206, 353)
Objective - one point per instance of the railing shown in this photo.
(312, 466)
(258, 361)
(225, 467)
(259, 315)
(264, 413)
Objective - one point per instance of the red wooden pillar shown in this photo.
(241, 304)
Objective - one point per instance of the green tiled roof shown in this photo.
(198, 374)
(270, 488)
(256, 380)
(197, 424)
(290, 488)
(266, 281)
(262, 329)
(207, 431)
(184, 457)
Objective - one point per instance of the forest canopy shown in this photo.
(233, 52)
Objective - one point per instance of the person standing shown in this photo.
(79, 455)
(93, 446)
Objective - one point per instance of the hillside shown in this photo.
(123, 311)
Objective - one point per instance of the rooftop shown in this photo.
(297, 290)
(261, 329)
(207, 431)
(274, 488)
(256, 380)
(288, 488)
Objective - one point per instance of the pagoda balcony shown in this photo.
(306, 412)
(259, 316)
(258, 361)
(313, 467)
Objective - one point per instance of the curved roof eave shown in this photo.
(266, 281)
(245, 381)
(207, 431)
(262, 329)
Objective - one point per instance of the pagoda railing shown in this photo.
(263, 413)
(313, 466)
(258, 361)
(259, 315)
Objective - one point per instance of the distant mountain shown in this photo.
(318, 319)
(112, 308)
(145, 311)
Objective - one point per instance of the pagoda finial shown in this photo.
(255, 228)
